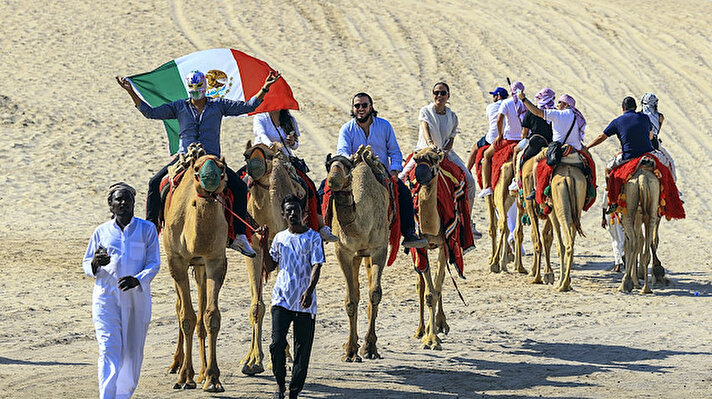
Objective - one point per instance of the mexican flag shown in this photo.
(230, 74)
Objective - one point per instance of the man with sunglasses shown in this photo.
(367, 129)
(200, 118)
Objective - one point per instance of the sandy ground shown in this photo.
(70, 131)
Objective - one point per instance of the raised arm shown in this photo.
(531, 107)
(126, 85)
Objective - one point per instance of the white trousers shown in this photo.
(617, 240)
(121, 323)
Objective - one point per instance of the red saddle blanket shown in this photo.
(670, 204)
(544, 173)
(503, 153)
(454, 211)
(393, 213)
(169, 185)
(478, 163)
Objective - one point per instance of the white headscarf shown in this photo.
(650, 108)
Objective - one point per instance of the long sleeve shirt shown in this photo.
(381, 138)
(266, 133)
(134, 251)
(199, 128)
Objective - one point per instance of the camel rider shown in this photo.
(568, 125)
(492, 111)
(634, 132)
(509, 130)
(367, 129)
(649, 105)
(536, 131)
(123, 257)
(200, 118)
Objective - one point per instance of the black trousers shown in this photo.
(405, 203)
(234, 183)
(536, 143)
(303, 338)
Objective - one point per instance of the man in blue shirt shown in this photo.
(199, 118)
(367, 129)
(634, 132)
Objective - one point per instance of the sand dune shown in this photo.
(71, 131)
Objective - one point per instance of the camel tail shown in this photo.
(575, 211)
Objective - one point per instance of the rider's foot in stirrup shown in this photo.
(241, 245)
(326, 234)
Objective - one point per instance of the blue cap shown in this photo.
(500, 91)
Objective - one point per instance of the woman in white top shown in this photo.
(438, 127)
(276, 127)
(281, 127)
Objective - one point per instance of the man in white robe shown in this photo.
(123, 256)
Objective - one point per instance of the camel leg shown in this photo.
(420, 287)
(374, 268)
(493, 260)
(630, 231)
(430, 339)
(215, 273)
(569, 239)
(178, 354)
(187, 318)
(536, 241)
(548, 238)
(658, 270)
(441, 325)
(556, 227)
(252, 362)
(519, 239)
(200, 283)
(502, 240)
(350, 267)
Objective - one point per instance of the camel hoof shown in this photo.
(419, 333)
(353, 358)
(213, 387)
(252, 370)
(658, 273)
(536, 280)
(432, 341)
(564, 288)
(646, 290)
(494, 268)
(442, 327)
(549, 278)
(173, 368)
(369, 351)
(626, 286)
(190, 385)
(522, 270)
(178, 386)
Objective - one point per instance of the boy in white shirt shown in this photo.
(299, 252)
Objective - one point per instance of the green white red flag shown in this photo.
(230, 74)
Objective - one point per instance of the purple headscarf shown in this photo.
(546, 98)
(521, 109)
(580, 120)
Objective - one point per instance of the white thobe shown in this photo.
(121, 318)
(615, 229)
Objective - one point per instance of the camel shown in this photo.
(361, 221)
(195, 235)
(568, 193)
(273, 177)
(430, 226)
(497, 206)
(642, 196)
(542, 239)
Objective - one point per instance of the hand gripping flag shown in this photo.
(230, 74)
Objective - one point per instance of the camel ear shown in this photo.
(249, 145)
(327, 164)
(224, 164)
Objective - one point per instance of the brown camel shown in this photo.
(542, 239)
(642, 196)
(568, 193)
(497, 206)
(195, 235)
(430, 226)
(273, 177)
(361, 221)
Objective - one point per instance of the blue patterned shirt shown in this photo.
(295, 254)
(203, 128)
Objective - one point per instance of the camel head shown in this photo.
(259, 159)
(210, 176)
(427, 161)
(338, 169)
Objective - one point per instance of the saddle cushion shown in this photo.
(570, 156)
(478, 163)
(503, 153)
(670, 204)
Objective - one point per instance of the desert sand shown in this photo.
(70, 131)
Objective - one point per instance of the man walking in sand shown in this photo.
(123, 257)
(299, 252)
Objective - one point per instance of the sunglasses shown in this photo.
(440, 93)
(361, 105)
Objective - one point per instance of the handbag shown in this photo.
(554, 151)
